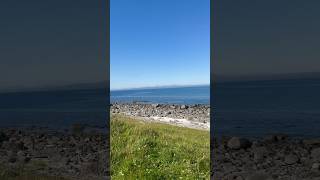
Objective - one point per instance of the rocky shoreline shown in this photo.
(276, 157)
(74, 155)
(192, 116)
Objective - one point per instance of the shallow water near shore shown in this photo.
(173, 95)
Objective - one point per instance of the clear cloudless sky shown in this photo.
(157, 43)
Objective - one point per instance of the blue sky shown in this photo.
(155, 43)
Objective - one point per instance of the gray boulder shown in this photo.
(259, 153)
(291, 159)
(238, 143)
(183, 107)
(315, 154)
(315, 167)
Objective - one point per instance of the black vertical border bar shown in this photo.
(108, 84)
(212, 83)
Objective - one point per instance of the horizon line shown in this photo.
(159, 87)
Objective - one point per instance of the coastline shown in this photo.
(74, 154)
(190, 116)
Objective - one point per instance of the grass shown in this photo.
(142, 150)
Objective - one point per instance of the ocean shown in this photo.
(60, 109)
(243, 108)
(57, 109)
(172, 95)
(260, 108)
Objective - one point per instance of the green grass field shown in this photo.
(142, 150)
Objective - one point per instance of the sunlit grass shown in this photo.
(142, 150)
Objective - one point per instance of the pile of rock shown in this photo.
(197, 112)
(275, 157)
(55, 153)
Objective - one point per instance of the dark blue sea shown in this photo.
(250, 109)
(176, 95)
(54, 108)
(259, 108)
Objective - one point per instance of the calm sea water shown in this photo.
(180, 95)
(258, 108)
(53, 109)
(251, 109)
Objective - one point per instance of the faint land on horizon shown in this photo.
(161, 87)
